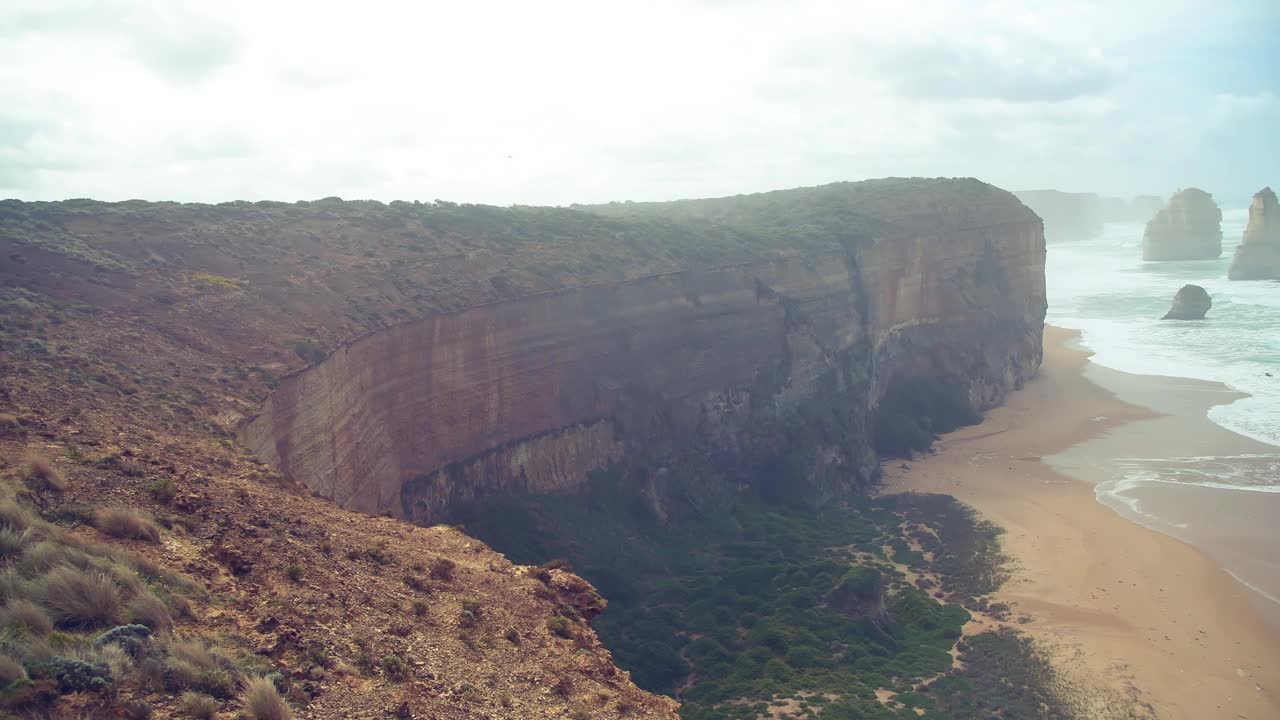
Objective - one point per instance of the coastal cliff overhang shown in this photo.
(536, 393)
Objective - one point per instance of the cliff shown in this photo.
(408, 357)
(1080, 216)
(1188, 228)
(1257, 256)
(933, 279)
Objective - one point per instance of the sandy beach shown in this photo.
(1126, 609)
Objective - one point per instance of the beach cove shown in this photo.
(1120, 607)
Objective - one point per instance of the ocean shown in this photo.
(1217, 490)
(1103, 288)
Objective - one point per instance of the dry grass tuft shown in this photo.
(40, 474)
(79, 598)
(124, 522)
(198, 706)
(12, 542)
(263, 702)
(27, 617)
(147, 609)
(16, 517)
(10, 670)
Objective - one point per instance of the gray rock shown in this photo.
(1191, 303)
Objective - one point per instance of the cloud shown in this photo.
(174, 39)
(502, 102)
(1013, 67)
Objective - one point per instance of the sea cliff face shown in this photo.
(1258, 254)
(723, 366)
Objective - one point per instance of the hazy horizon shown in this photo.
(505, 103)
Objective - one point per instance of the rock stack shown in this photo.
(1189, 228)
(1191, 303)
(1258, 255)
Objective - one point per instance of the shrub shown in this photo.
(149, 610)
(129, 638)
(163, 490)
(9, 423)
(10, 670)
(72, 675)
(79, 598)
(559, 627)
(123, 522)
(263, 702)
(307, 349)
(28, 617)
(294, 571)
(40, 474)
(394, 667)
(442, 569)
(197, 706)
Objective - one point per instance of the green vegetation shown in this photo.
(775, 602)
(307, 349)
(85, 617)
(225, 283)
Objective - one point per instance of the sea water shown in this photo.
(1220, 493)
(1105, 289)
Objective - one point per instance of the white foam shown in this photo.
(1103, 288)
(1253, 587)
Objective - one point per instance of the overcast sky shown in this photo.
(556, 102)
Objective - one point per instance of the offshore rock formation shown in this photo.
(776, 362)
(1191, 302)
(1067, 216)
(1258, 254)
(1189, 228)
(1080, 216)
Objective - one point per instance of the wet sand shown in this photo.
(1133, 612)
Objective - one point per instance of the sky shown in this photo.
(558, 102)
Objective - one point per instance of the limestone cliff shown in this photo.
(1258, 254)
(1188, 228)
(718, 364)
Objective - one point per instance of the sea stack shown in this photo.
(1189, 228)
(1258, 255)
(1190, 303)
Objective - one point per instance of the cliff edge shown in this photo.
(841, 291)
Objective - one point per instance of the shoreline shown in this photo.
(1127, 610)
